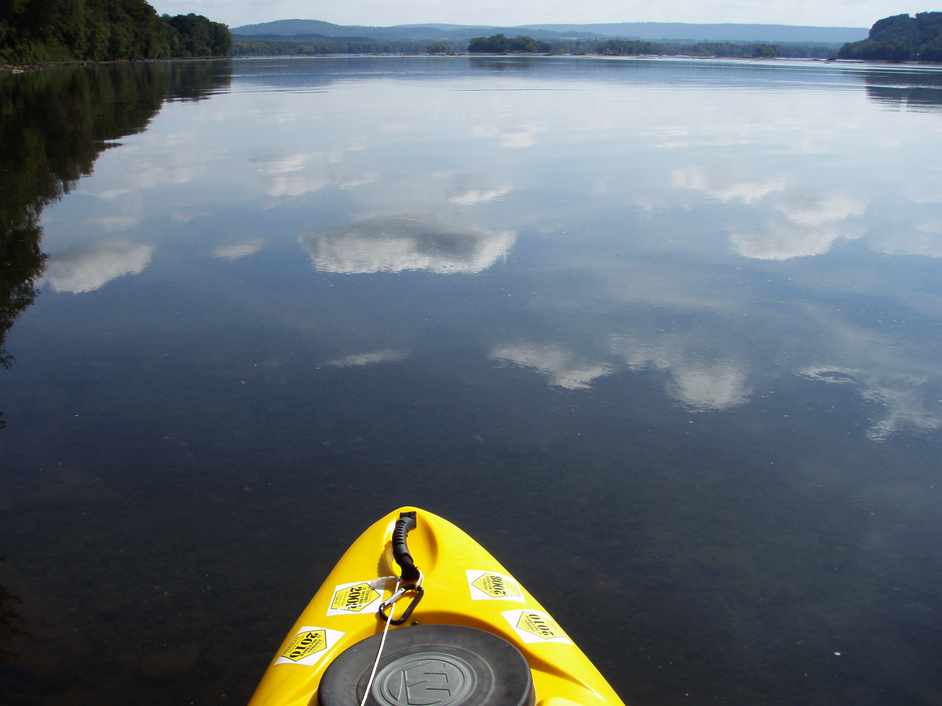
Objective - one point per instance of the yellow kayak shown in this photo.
(417, 613)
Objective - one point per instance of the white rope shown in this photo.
(382, 644)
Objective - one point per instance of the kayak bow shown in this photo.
(463, 632)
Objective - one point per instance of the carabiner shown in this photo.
(417, 592)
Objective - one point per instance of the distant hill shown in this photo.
(715, 32)
(306, 28)
(649, 31)
(901, 38)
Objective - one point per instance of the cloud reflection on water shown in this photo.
(811, 226)
(88, 269)
(520, 137)
(901, 396)
(474, 197)
(563, 368)
(360, 360)
(302, 173)
(402, 243)
(237, 251)
(696, 179)
(697, 383)
(796, 223)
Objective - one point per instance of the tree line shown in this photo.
(900, 38)
(33, 31)
(320, 46)
(500, 44)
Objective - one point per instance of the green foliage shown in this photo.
(34, 31)
(735, 50)
(321, 46)
(620, 47)
(197, 36)
(502, 44)
(900, 38)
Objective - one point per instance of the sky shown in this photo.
(846, 13)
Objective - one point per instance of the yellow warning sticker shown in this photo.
(359, 597)
(308, 646)
(491, 586)
(353, 599)
(536, 626)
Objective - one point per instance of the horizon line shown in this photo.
(554, 24)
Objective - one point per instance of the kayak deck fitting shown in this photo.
(463, 631)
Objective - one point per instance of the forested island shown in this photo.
(501, 44)
(900, 38)
(38, 31)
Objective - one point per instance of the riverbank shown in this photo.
(42, 66)
(14, 69)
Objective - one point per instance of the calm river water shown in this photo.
(665, 336)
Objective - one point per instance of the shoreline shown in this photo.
(18, 69)
(644, 57)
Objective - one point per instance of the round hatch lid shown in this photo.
(431, 665)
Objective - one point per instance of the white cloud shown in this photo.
(112, 194)
(515, 138)
(518, 139)
(356, 182)
(782, 242)
(89, 269)
(696, 179)
(817, 212)
(562, 367)
(114, 223)
(286, 175)
(473, 197)
(154, 175)
(810, 226)
(400, 244)
(359, 360)
(709, 386)
(284, 165)
(699, 384)
(294, 185)
(304, 173)
(899, 395)
(237, 251)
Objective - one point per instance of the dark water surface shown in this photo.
(664, 336)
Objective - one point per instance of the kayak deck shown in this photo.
(464, 586)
